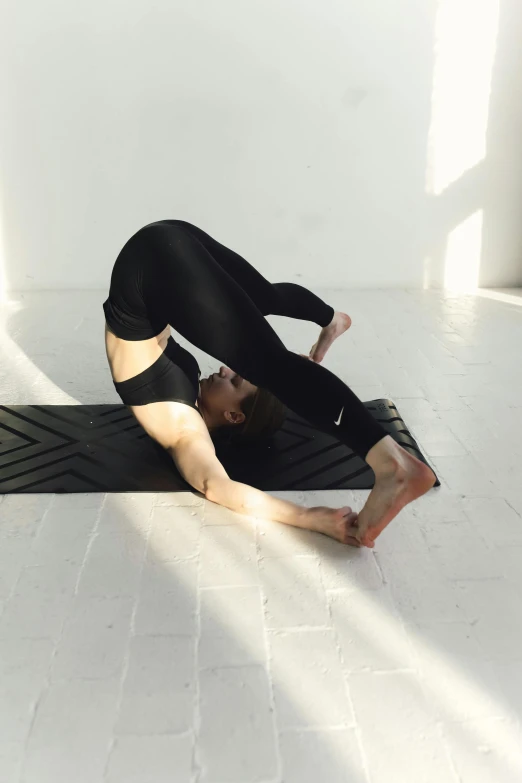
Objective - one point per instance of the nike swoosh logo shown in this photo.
(339, 419)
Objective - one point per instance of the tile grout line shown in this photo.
(126, 658)
(196, 768)
(268, 665)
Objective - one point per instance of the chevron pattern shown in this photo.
(102, 448)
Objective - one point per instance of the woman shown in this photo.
(172, 274)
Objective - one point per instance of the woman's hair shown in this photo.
(264, 415)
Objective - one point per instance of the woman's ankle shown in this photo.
(387, 458)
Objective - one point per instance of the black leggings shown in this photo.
(217, 301)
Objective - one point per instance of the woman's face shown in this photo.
(222, 393)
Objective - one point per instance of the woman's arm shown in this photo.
(335, 522)
(254, 502)
(195, 458)
(183, 434)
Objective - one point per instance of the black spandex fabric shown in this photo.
(173, 377)
(171, 272)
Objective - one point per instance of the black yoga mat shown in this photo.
(102, 448)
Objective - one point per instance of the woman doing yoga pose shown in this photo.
(172, 274)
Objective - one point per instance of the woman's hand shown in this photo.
(338, 523)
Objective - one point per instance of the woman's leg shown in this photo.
(205, 304)
(210, 308)
(289, 299)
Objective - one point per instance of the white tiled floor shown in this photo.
(153, 638)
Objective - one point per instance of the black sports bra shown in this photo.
(174, 377)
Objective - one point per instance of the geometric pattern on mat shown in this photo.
(102, 448)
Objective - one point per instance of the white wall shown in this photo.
(296, 131)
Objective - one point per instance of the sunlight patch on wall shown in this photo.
(3, 282)
(3, 265)
(426, 275)
(463, 251)
(465, 43)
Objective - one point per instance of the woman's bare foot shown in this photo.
(397, 482)
(338, 325)
(340, 523)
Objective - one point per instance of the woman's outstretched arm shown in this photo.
(195, 458)
(180, 430)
